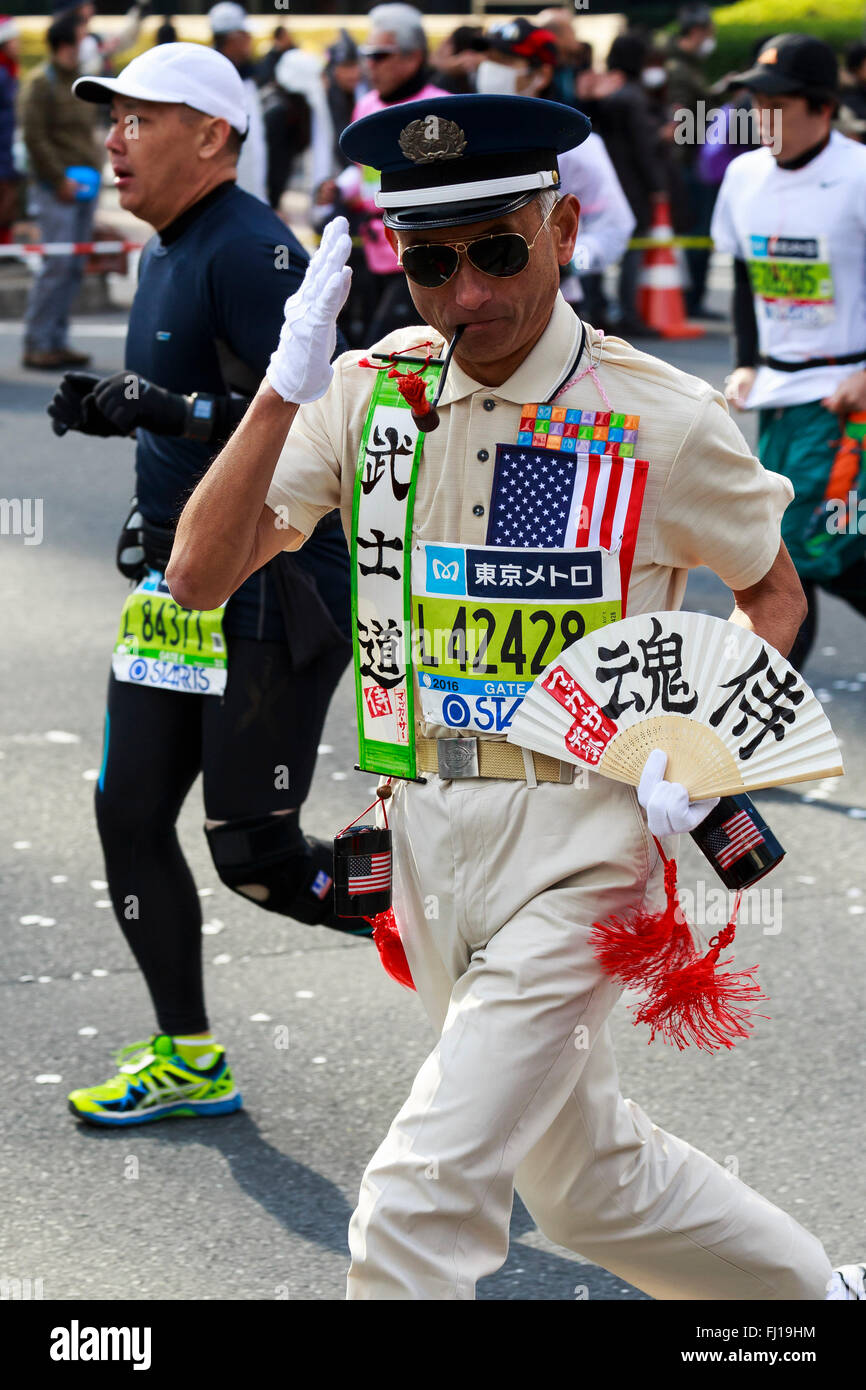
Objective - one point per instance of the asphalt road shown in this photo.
(256, 1205)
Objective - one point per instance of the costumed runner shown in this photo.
(238, 693)
(794, 219)
(496, 552)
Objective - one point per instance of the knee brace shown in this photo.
(269, 861)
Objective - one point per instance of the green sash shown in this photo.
(382, 507)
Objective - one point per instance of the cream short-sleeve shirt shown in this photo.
(708, 500)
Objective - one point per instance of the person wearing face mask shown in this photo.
(687, 86)
(654, 76)
(654, 80)
(521, 60)
(625, 121)
(456, 59)
(395, 64)
(524, 59)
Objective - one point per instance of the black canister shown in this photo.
(362, 871)
(738, 842)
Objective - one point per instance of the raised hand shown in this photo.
(300, 367)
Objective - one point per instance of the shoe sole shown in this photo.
(207, 1108)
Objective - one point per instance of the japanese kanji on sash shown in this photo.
(381, 536)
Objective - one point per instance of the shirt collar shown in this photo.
(175, 229)
(540, 373)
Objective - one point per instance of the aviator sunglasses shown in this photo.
(433, 264)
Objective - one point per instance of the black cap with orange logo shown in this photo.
(792, 64)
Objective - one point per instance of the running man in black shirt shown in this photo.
(241, 698)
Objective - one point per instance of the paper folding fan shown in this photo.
(728, 709)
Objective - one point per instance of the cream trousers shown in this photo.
(496, 886)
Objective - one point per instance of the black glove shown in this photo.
(72, 407)
(129, 402)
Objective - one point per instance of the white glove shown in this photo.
(300, 367)
(667, 805)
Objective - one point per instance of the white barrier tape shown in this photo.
(660, 277)
(21, 250)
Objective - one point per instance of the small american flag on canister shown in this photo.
(738, 842)
(362, 871)
(731, 840)
(368, 873)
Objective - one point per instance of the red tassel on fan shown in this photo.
(688, 1001)
(697, 1005)
(387, 938)
(642, 946)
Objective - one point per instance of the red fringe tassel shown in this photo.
(643, 946)
(687, 1000)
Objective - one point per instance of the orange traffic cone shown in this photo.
(660, 300)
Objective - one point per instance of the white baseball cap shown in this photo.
(227, 17)
(189, 73)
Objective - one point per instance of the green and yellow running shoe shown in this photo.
(154, 1083)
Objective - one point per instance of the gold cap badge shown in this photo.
(432, 138)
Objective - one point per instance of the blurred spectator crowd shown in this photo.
(640, 95)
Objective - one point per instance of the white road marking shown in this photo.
(9, 328)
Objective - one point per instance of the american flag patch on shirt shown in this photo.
(733, 838)
(369, 873)
(545, 497)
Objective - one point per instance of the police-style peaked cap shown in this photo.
(459, 159)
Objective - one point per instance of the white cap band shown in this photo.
(462, 192)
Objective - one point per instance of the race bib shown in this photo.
(162, 645)
(487, 620)
(793, 279)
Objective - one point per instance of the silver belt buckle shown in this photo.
(457, 757)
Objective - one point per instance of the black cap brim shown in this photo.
(763, 78)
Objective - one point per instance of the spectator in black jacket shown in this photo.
(631, 132)
(342, 75)
(288, 129)
(281, 42)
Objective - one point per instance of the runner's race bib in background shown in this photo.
(793, 279)
(486, 621)
(166, 647)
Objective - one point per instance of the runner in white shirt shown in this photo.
(793, 215)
